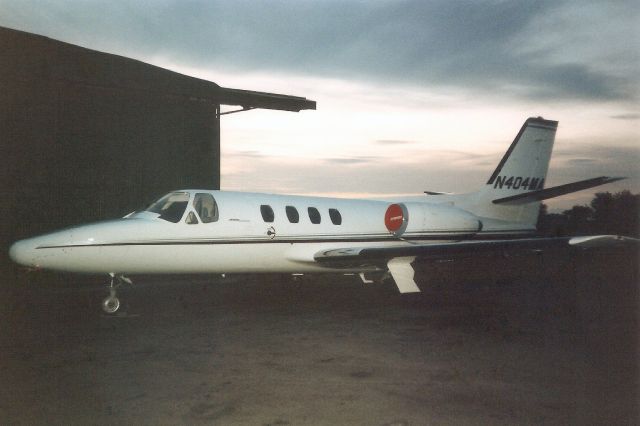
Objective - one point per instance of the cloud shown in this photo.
(350, 161)
(574, 81)
(603, 151)
(459, 65)
(435, 170)
(523, 49)
(581, 161)
(245, 154)
(431, 170)
(392, 142)
(627, 116)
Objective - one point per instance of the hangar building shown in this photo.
(87, 135)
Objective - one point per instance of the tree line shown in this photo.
(615, 214)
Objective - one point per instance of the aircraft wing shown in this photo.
(398, 259)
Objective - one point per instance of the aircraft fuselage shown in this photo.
(250, 233)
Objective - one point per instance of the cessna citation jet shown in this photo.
(204, 231)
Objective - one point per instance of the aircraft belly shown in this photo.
(170, 258)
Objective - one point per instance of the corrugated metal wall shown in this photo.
(86, 135)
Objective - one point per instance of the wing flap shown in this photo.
(461, 248)
(398, 259)
(402, 273)
(590, 241)
(361, 255)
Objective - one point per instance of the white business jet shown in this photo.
(205, 231)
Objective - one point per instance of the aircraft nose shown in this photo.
(23, 252)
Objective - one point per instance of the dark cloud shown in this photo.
(489, 46)
(574, 81)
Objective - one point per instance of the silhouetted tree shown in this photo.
(617, 214)
(603, 206)
(579, 220)
(551, 224)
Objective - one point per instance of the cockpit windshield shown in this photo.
(171, 207)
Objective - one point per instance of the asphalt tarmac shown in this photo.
(515, 341)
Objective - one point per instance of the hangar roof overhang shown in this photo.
(250, 100)
(38, 59)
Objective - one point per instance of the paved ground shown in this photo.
(500, 347)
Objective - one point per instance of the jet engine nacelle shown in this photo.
(412, 218)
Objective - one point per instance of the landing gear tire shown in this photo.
(110, 304)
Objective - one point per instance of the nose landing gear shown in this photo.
(111, 303)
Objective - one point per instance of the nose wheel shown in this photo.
(111, 303)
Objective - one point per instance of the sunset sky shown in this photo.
(411, 95)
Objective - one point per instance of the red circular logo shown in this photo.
(394, 217)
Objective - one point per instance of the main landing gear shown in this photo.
(374, 277)
(111, 303)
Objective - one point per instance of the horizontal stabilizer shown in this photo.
(437, 193)
(556, 191)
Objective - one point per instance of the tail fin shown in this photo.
(523, 168)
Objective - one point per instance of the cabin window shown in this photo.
(335, 216)
(171, 207)
(267, 213)
(206, 207)
(191, 219)
(292, 214)
(314, 215)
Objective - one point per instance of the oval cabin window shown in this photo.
(292, 214)
(314, 215)
(336, 217)
(267, 213)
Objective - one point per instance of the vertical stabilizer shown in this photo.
(523, 168)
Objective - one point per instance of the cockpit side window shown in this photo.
(206, 207)
(191, 219)
(171, 207)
